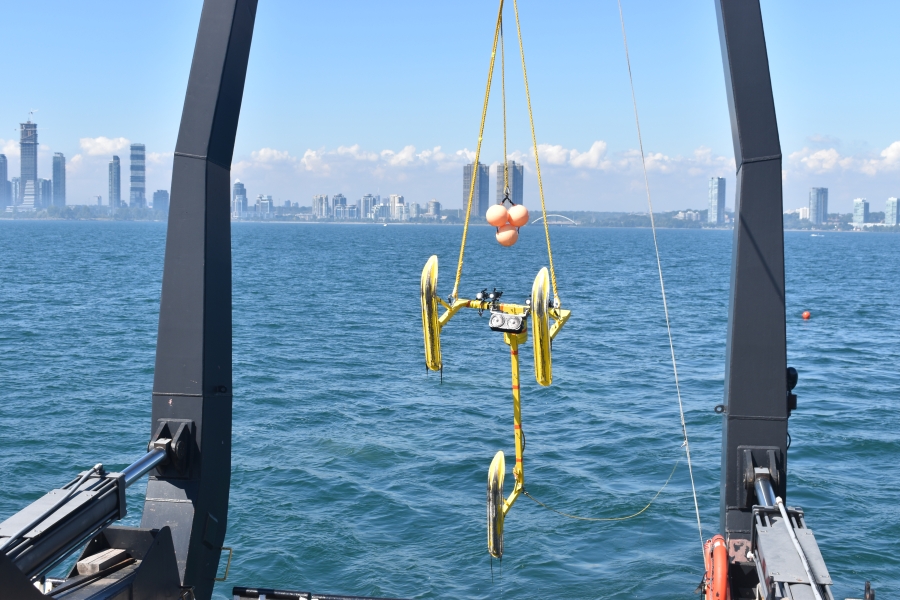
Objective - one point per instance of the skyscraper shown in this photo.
(366, 204)
(161, 201)
(860, 211)
(397, 206)
(480, 197)
(28, 149)
(138, 195)
(264, 204)
(516, 175)
(115, 183)
(818, 205)
(716, 214)
(238, 198)
(46, 195)
(320, 206)
(59, 180)
(5, 186)
(31, 195)
(892, 213)
(14, 190)
(434, 209)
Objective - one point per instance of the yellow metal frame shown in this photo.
(432, 326)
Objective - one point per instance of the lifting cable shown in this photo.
(537, 162)
(487, 94)
(662, 285)
(498, 34)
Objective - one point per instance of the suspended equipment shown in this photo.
(545, 312)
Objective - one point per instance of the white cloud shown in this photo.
(9, 147)
(312, 161)
(355, 152)
(466, 154)
(830, 160)
(402, 158)
(555, 155)
(75, 163)
(100, 146)
(889, 161)
(271, 155)
(629, 161)
(592, 159)
(160, 158)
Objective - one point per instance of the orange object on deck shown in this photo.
(715, 557)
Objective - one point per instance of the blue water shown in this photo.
(356, 472)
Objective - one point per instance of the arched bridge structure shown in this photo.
(564, 220)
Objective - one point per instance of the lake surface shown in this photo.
(356, 472)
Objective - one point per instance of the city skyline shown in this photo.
(295, 144)
(31, 183)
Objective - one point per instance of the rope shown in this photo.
(662, 284)
(487, 94)
(609, 518)
(537, 162)
(503, 89)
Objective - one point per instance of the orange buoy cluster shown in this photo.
(507, 222)
(806, 315)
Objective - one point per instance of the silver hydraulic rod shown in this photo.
(143, 465)
(765, 495)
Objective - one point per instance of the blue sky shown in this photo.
(358, 97)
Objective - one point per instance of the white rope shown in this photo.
(662, 285)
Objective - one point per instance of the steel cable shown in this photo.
(662, 284)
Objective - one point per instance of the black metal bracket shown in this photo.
(751, 458)
(175, 437)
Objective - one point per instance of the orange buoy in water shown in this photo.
(806, 315)
(507, 235)
(715, 557)
(518, 215)
(497, 215)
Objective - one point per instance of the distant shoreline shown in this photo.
(402, 224)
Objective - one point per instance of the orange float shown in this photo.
(806, 315)
(507, 235)
(518, 215)
(497, 215)
(715, 557)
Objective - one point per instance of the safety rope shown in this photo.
(487, 94)
(652, 500)
(537, 161)
(662, 284)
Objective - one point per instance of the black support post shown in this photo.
(192, 380)
(755, 425)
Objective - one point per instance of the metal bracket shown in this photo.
(174, 436)
(751, 458)
(227, 565)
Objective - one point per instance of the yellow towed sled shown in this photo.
(512, 321)
(546, 314)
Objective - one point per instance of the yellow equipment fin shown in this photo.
(540, 326)
(430, 325)
(495, 513)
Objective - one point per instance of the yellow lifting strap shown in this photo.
(487, 95)
(537, 162)
(498, 35)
